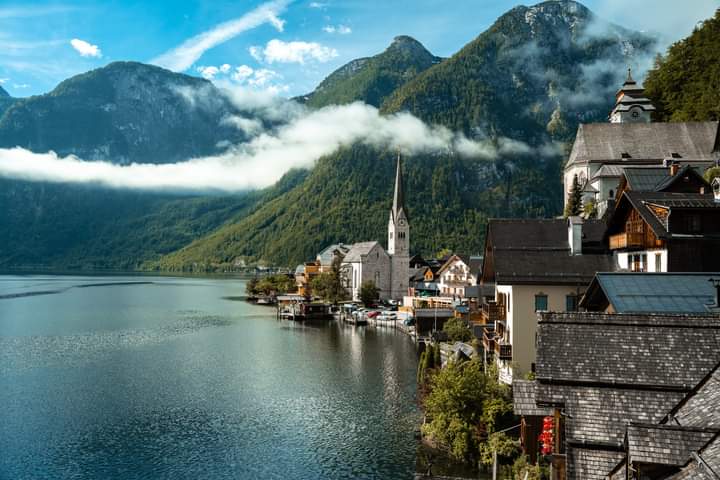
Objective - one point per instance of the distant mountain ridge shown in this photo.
(372, 79)
(3, 92)
(124, 112)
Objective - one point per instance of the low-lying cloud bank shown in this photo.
(263, 160)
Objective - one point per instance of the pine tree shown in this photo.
(574, 205)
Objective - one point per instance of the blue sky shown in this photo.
(287, 46)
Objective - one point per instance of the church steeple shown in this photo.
(398, 226)
(631, 105)
(398, 207)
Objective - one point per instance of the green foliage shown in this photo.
(329, 285)
(456, 330)
(502, 444)
(574, 204)
(437, 357)
(422, 365)
(685, 84)
(251, 287)
(522, 467)
(369, 293)
(272, 285)
(462, 408)
(711, 174)
(590, 209)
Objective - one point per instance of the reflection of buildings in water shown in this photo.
(392, 390)
(357, 345)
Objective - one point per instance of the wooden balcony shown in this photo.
(488, 339)
(492, 312)
(503, 350)
(626, 240)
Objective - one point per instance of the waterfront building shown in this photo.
(600, 373)
(457, 273)
(535, 266)
(602, 150)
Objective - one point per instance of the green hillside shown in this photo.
(490, 89)
(372, 79)
(685, 83)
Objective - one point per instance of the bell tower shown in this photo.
(399, 239)
(631, 105)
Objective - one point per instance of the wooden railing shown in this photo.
(625, 240)
(489, 339)
(492, 312)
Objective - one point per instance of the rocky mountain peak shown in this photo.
(407, 45)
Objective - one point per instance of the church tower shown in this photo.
(631, 105)
(399, 239)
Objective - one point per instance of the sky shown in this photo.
(282, 46)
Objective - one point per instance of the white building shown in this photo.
(459, 272)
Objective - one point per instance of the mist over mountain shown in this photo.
(124, 112)
(518, 90)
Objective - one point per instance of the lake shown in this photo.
(140, 377)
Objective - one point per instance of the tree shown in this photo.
(369, 293)
(457, 331)
(712, 173)
(251, 287)
(590, 209)
(574, 204)
(329, 285)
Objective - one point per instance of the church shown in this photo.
(388, 269)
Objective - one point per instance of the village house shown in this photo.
(601, 151)
(629, 292)
(536, 266)
(607, 376)
(666, 230)
(457, 273)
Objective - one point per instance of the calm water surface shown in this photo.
(156, 377)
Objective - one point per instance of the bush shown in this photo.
(456, 330)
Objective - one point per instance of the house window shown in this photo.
(541, 302)
(638, 262)
(611, 194)
(692, 223)
(571, 303)
(658, 262)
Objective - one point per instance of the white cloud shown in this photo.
(307, 136)
(225, 67)
(256, 53)
(20, 86)
(208, 72)
(182, 57)
(3, 80)
(341, 29)
(293, 52)
(262, 78)
(29, 11)
(317, 5)
(241, 73)
(86, 49)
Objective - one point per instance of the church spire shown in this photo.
(631, 105)
(399, 198)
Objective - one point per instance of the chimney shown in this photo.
(716, 189)
(575, 235)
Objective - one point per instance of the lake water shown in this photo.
(175, 378)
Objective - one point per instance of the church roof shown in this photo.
(645, 143)
(398, 208)
(359, 250)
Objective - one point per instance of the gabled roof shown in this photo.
(645, 179)
(644, 142)
(524, 399)
(536, 251)
(326, 256)
(359, 250)
(700, 407)
(632, 292)
(655, 351)
(608, 171)
(703, 465)
(664, 444)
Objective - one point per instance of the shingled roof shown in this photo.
(536, 251)
(524, 399)
(606, 371)
(644, 142)
(663, 444)
(701, 407)
(359, 250)
(667, 351)
(703, 465)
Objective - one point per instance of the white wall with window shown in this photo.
(643, 261)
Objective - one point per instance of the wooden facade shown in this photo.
(636, 234)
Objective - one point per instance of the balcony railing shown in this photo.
(489, 339)
(492, 312)
(626, 240)
(503, 350)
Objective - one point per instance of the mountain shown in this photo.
(124, 112)
(685, 83)
(532, 77)
(372, 79)
(3, 93)
(5, 100)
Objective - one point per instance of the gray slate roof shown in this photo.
(710, 467)
(630, 292)
(591, 464)
(603, 142)
(524, 399)
(665, 445)
(608, 171)
(537, 252)
(701, 407)
(643, 179)
(670, 351)
(327, 255)
(359, 250)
